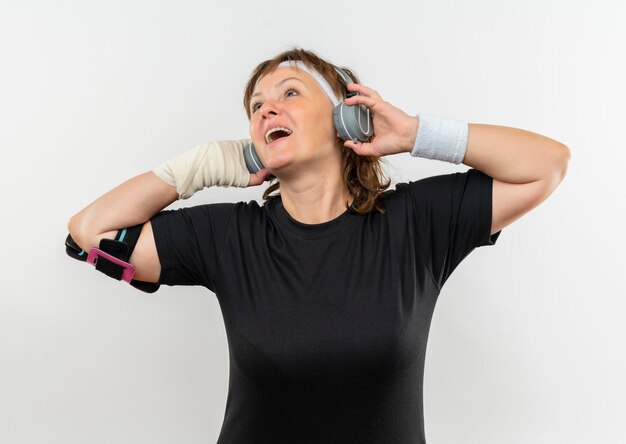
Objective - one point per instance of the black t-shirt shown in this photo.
(327, 324)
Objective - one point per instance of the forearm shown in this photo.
(514, 155)
(133, 202)
(216, 163)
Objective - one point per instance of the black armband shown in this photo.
(112, 255)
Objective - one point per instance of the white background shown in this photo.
(527, 340)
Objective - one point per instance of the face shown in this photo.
(291, 98)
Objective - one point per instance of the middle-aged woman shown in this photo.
(327, 290)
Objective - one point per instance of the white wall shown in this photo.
(527, 341)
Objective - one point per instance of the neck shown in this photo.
(316, 197)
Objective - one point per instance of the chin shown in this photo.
(278, 157)
(278, 167)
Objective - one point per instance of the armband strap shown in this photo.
(111, 258)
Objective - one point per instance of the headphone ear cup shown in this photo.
(353, 122)
(253, 162)
(339, 125)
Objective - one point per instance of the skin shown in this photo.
(526, 167)
(308, 162)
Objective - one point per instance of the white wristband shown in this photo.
(216, 163)
(441, 138)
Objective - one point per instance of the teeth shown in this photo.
(278, 128)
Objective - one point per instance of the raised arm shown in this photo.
(139, 199)
(526, 168)
(133, 202)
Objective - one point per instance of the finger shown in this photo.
(253, 180)
(363, 100)
(266, 175)
(260, 176)
(351, 145)
(366, 90)
(359, 147)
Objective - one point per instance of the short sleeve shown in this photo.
(188, 242)
(453, 216)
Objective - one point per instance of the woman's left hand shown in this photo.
(394, 130)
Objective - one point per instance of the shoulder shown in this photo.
(213, 214)
(412, 189)
(439, 193)
(249, 213)
(443, 184)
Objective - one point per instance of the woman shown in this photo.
(327, 289)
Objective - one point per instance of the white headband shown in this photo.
(318, 78)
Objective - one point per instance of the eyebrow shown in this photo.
(279, 83)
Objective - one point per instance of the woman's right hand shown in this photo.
(259, 177)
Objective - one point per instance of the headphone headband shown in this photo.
(352, 122)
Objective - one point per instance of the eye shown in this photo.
(255, 105)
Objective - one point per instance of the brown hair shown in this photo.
(363, 175)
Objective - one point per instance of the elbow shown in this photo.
(74, 226)
(556, 169)
(566, 155)
(78, 229)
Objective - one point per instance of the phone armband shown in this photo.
(112, 257)
(110, 265)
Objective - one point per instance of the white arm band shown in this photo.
(441, 138)
(214, 163)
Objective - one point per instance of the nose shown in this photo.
(268, 108)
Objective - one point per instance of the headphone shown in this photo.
(352, 122)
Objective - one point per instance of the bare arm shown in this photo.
(133, 202)
(526, 168)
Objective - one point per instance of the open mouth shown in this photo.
(277, 133)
